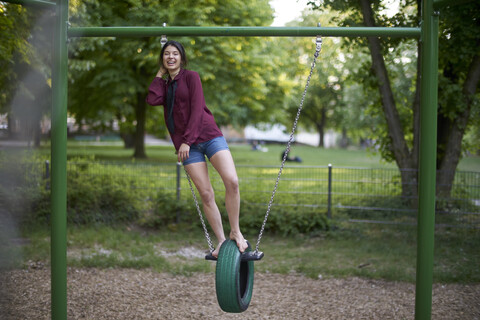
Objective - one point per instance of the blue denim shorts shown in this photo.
(208, 148)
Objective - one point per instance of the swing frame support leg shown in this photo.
(427, 164)
(59, 164)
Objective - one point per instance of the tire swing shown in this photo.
(233, 278)
(234, 272)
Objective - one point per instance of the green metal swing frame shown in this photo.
(427, 32)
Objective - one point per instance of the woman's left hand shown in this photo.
(183, 152)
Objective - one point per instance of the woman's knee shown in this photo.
(232, 184)
(208, 196)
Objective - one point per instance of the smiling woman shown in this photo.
(195, 135)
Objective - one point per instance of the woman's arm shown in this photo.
(197, 105)
(157, 90)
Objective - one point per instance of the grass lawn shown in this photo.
(370, 251)
(242, 153)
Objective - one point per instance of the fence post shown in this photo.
(329, 212)
(179, 188)
(47, 175)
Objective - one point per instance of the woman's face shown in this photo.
(172, 59)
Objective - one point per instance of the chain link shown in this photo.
(207, 235)
(285, 155)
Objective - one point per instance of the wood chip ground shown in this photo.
(144, 294)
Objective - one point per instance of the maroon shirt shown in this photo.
(194, 123)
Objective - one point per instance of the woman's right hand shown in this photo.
(161, 72)
(183, 152)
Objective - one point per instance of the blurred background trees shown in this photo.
(250, 80)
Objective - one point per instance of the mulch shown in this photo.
(145, 294)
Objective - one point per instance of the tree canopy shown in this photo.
(397, 90)
(249, 79)
(25, 47)
(237, 74)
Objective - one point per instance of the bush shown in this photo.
(20, 187)
(104, 197)
(167, 210)
(282, 220)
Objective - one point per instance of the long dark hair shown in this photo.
(180, 49)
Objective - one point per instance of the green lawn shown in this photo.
(242, 153)
(370, 251)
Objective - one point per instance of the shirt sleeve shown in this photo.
(197, 104)
(156, 92)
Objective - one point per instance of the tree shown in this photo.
(25, 46)
(459, 78)
(234, 71)
(459, 64)
(322, 105)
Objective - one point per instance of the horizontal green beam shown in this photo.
(131, 32)
(33, 3)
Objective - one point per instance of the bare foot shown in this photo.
(217, 249)
(240, 240)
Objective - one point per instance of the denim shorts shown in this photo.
(208, 148)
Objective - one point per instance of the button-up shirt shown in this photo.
(194, 123)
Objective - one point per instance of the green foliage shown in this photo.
(234, 71)
(459, 36)
(324, 106)
(25, 49)
(21, 183)
(167, 211)
(14, 48)
(104, 197)
(284, 221)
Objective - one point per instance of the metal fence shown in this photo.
(354, 194)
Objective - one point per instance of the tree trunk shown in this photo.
(128, 140)
(321, 127)
(140, 113)
(399, 146)
(344, 140)
(321, 135)
(453, 144)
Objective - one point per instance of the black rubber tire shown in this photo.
(233, 278)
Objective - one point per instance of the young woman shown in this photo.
(195, 135)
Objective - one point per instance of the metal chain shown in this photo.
(317, 52)
(205, 230)
(207, 235)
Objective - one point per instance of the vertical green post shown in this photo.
(59, 165)
(427, 163)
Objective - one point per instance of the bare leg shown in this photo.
(222, 161)
(199, 174)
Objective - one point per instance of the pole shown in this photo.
(244, 31)
(329, 210)
(179, 188)
(59, 165)
(427, 161)
(47, 175)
